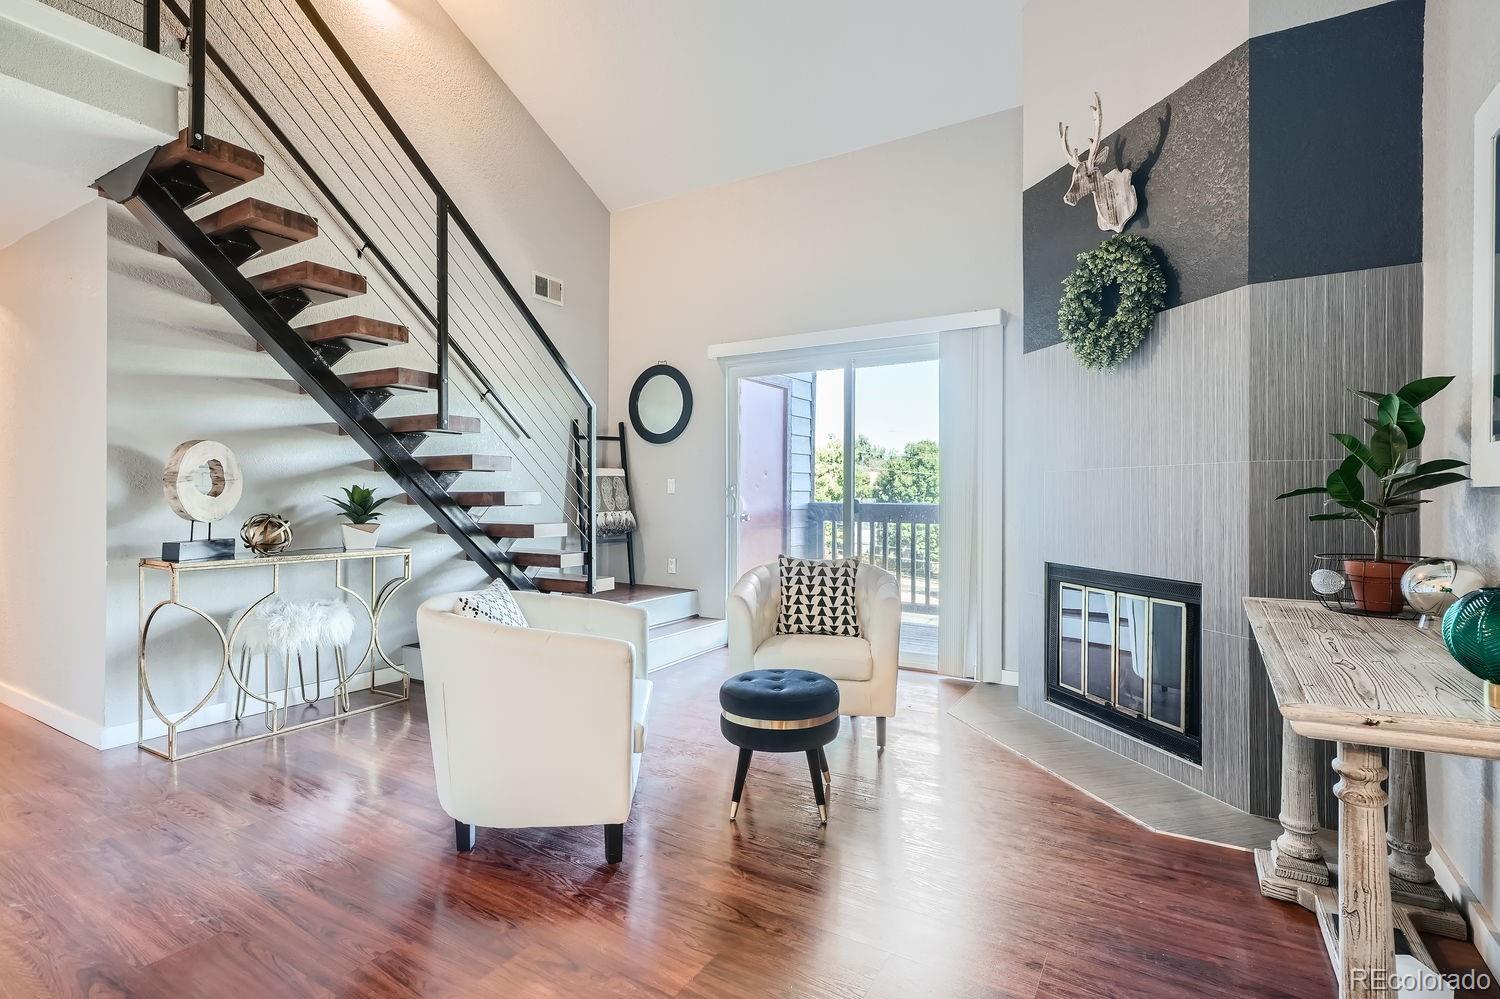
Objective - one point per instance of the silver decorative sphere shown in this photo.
(1432, 585)
(266, 533)
(1327, 581)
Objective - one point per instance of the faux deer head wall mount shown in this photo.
(1114, 192)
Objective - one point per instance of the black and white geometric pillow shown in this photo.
(817, 597)
(493, 604)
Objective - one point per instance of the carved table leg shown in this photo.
(1294, 860)
(1414, 887)
(1412, 879)
(1367, 957)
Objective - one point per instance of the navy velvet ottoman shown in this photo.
(780, 711)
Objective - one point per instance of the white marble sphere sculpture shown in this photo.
(1433, 585)
(186, 496)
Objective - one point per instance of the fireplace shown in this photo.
(1124, 650)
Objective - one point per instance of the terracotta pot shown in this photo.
(1376, 585)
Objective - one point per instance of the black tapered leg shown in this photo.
(614, 842)
(466, 835)
(630, 555)
(817, 783)
(740, 770)
(823, 763)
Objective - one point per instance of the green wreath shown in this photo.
(1102, 341)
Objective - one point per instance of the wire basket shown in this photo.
(1329, 580)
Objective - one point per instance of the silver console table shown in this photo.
(372, 659)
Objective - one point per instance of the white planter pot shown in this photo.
(360, 537)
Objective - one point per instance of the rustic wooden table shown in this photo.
(1366, 683)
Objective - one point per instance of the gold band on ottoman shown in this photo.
(780, 726)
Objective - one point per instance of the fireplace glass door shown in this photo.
(1131, 617)
(1101, 642)
(1168, 645)
(1123, 649)
(1070, 638)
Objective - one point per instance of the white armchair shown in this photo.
(536, 726)
(864, 668)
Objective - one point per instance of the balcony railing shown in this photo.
(902, 538)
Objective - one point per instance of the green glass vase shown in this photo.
(1471, 630)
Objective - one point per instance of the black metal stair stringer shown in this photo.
(153, 206)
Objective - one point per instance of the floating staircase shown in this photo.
(448, 288)
(215, 245)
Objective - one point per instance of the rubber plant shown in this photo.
(1398, 481)
(360, 508)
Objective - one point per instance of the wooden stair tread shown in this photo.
(310, 276)
(427, 423)
(571, 582)
(220, 165)
(403, 379)
(466, 462)
(558, 559)
(262, 216)
(355, 330)
(457, 462)
(494, 497)
(525, 530)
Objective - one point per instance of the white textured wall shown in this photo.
(180, 368)
(1267, 16)
(52, 388)
(1132, 54)
(529, 205)
(924, 226)
(1462, 67)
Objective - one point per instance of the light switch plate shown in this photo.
(671, 486)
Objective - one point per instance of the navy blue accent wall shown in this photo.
(1299, 153)
(1336, 144)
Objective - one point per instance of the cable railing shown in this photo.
(274, 67)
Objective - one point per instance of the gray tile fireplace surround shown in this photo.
(1168, 466)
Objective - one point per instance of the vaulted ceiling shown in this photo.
(652, 98)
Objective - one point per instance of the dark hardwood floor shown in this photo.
(320, 864)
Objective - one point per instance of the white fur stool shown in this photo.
(286, 628)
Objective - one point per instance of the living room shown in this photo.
(777, 499)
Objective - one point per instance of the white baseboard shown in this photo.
(67, 722)
(212, 714)
(1482, 927)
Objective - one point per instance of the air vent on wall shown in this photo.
(549, 289)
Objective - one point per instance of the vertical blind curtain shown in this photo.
(970, 475)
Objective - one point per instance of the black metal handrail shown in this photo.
(387, 119)
(200, 51)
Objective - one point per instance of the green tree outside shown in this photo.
(909, 475)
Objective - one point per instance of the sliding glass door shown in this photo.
(896, 498)
(840, 458)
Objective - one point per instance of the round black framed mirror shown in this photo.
(661, 403)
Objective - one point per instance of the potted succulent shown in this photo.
(1399, 481)
(359, 507)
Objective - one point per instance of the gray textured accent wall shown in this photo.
(1167, 466)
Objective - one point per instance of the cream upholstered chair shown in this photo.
(864, 668)
(536, 726)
